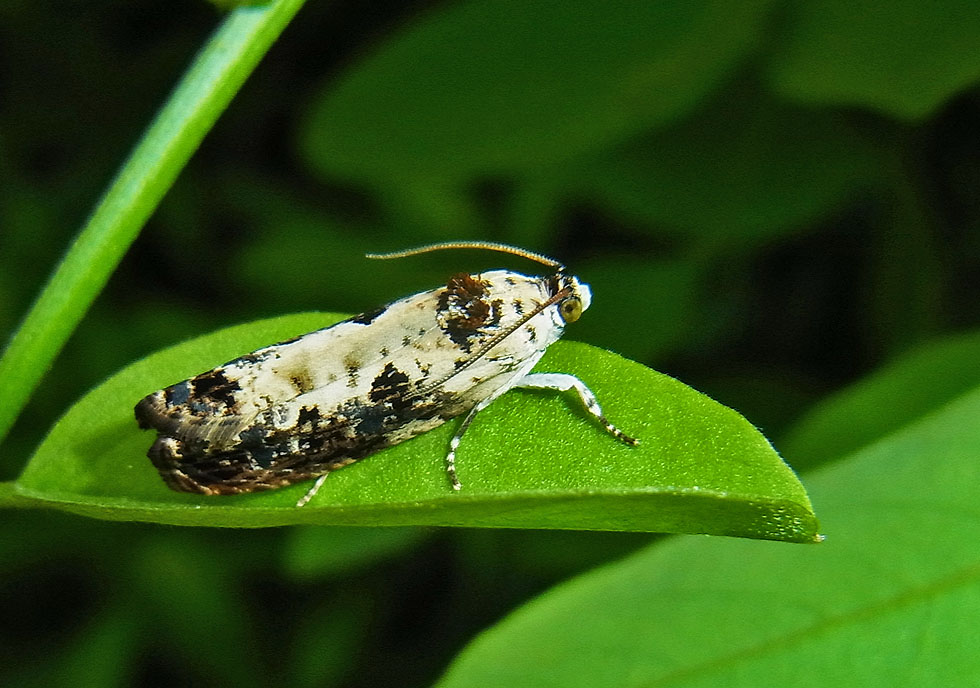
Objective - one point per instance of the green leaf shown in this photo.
(904, 390)
(532, 460)
(904, 58)
(891, 598)
(499, 86)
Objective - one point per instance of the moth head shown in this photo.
(579, 298)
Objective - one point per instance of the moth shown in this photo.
(296, 410)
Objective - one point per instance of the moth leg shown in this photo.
(562, 382)
(454, 442)
(312, 491)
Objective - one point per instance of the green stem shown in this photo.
(205, 90)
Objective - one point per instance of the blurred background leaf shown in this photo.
(909, 387)
(905, 58)
(545, 83)
(772, 201)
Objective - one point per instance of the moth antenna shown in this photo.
(485, 245)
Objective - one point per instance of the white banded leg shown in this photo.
(312, 491)
(454, 442)
(562, 382)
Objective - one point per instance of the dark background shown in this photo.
(769, 203)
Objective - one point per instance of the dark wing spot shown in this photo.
(494, 320)
(463, 309)
(371, 420)
(215, 386)
(302, 381)
(353, 367)
(312, 444)
(250, 359)
(368, 318)
(472, 316)
(178, 394)
(253, 441)
(309, 414)
(466, 287)
(390, 388)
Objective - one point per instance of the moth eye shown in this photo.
(571, 309)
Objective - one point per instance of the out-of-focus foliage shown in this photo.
(771, 200)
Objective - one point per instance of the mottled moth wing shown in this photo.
(301, 408)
